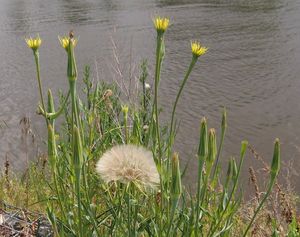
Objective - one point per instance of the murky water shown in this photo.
(252, 67)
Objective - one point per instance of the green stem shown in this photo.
(128, 211)
(202, 156)
(126, 128)
(172, 214)
(77, 149)
(79, 206)
(200, 168)
(159, 55)
(157, 78)
(74, 102)
(171, 138)
(77, 159)
(37, 63)
(192, 64)
(52, 151)
(53, 115)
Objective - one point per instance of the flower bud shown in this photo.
(275, 167)
(176, 187)
(203, 145)
(69, 45)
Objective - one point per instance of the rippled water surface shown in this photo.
(252, 67)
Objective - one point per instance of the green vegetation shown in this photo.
(77, 200)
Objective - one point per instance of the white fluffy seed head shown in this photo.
(128, 163)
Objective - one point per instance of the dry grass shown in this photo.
(281, 208)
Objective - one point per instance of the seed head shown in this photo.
(128, 163)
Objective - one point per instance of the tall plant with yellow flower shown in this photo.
(139, 191)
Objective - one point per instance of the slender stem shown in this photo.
(192, 64)
(157, 78)
(77, 159)
(159, 58)
(53, 115)
(126, 128)
(144, 114)
(79, 206)
(37, 63)
(200, 168)
(52, 152)
(76, 145)
(128, 210)
(74, 102)
(172, 214)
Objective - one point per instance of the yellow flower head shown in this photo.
(161, 23)
(34, 43)
(197, 49)
(65, 41)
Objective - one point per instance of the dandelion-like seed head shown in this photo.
(128, 163)
(198, 49)
(65, 41)
(161, 24)
(34, 43)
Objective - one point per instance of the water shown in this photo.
(252, 67)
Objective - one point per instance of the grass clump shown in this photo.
(138, 191)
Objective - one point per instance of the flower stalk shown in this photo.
(34, 44)
(77, 159)
(161, 25)
(37, 63)
(192, 64)
(197, 51)
(77, 134)
(125, 114)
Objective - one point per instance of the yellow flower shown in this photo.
(197, 49)
(64, 41)
(34, 43)
(161, 24)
